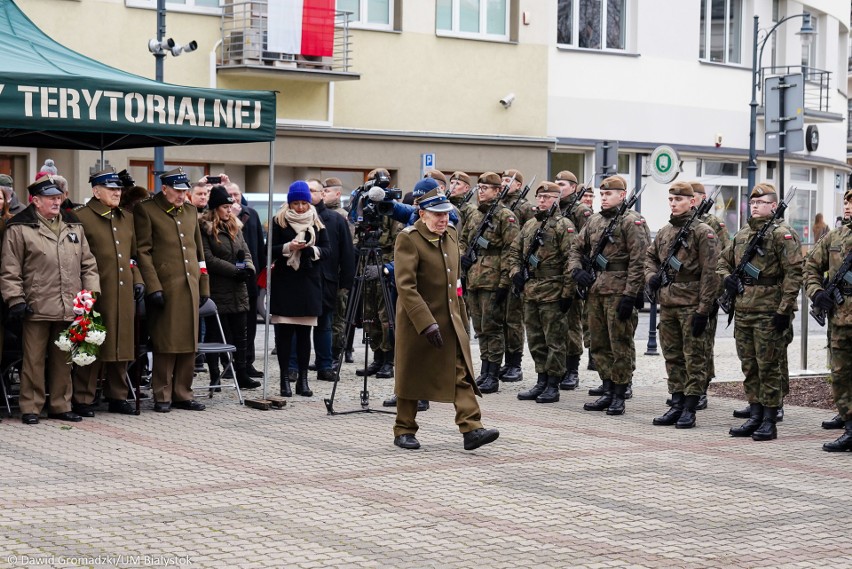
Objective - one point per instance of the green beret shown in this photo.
(491, 179)
(763, 189)
(548, 188)
(681, 189)
(698, 188)
(567, 176)
(516, 173)
(614, 183)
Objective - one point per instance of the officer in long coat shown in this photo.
(171, 259)
(112, 239)
(431, 324)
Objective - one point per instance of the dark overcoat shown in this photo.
(171, 259)
(112, 239)
(338, 269)
(427, 280)
(229, 294)
(296, 293)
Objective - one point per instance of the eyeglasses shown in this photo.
(481, 187)
(759, 202)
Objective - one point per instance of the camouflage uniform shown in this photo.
(723, 239)
(579, 215)
(513, 328)
(463, 210)
(762, 350)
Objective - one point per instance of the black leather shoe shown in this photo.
(69, 416)
(386, 371)
(628, 392)
(312, 367)
(597, 391)
(347, 357)
(702, 402)
(478, 437)
(249, 383)
(229, 374)
(84, 410)
(253, 372)
(835, 423)
(570, 381)
(122, 407)
(162, 407)
(422, 405)
(407, 441)
(29, 419)
(512, 374)
(325, 375)
(779, 415)
(743, 413)
(389, 402)
(189, 405)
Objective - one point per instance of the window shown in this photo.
(803, 174)
(592, 24)
(369, 13)
(574, 162)
(719, 168)
(473, 18)
(720, 34)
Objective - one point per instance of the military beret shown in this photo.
(332, 183)
(763, 189)
(490, 179)
(698, 188)
(566, 175)
(614, 183)
(548, 188)
(681, 189)
(516, 173)
(462, 176)
(176, 179)
(44, 186)
(107, 178)
(376, 171)
(6, 180)
(436, 175)
(434, 201)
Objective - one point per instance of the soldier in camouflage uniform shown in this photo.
(764, 312)
(547, 295)
(612, 299)
(579, 214)
(460, 187)
(723, 239)
(487, 279)
(685, 303)
(827, 256)
(513, 329)
(332, 187)
(588, 200)
(381, 341)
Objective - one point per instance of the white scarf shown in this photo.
(305, 225)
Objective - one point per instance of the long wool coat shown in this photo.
(171, 259)
(230, 295)
(112, 240)
(427, 279)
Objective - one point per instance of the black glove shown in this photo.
(17, 312)
(655, 282)
(138, 292)
(714, 309)
(780, 322)
(699, 324)
(433, 334)
(518, 281)
(625, 307)
(156, 299)
(640, 301)
(202, 300)
(466, 262)
(565, 304)
(242, 275)
(823, 301)
(732, 285)
(583, 278)
(500, 295)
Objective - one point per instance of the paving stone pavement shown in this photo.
(237, 487)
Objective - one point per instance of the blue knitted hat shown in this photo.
(299, 192)
(424, 186)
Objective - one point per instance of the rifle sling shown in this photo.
(761, 281)
(544, 273)
(686, 278)
(615, 267)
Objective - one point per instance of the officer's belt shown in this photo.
(544, 273)
(686, 278)
(612, 267)
(760, 281)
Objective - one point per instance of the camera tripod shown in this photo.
(369, 255)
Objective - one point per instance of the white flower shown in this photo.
(83, 359)
(78, 310)
(95, 337)
(64, 344)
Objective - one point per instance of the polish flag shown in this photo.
(303, 27)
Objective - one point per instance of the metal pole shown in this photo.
(651, 348)
(782, 137)
(752, 134)
(268, 297)
(803, 357)
(159, 154)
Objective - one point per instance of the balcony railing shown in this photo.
(244, 43)
(817, 85)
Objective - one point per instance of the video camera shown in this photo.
(372, 201)
(126, 179)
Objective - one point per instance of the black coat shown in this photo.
(338, 269)
(229, 294)
(253, 234)
(296, 293)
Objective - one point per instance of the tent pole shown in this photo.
(268, 296)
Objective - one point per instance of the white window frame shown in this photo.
(359, 21)
(708, 36)
(575, 28)
(483, 23)
(188, 7)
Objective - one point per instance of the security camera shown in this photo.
(178, 49)
(507, 100)
(157, 47)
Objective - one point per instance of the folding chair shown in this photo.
(209, 309)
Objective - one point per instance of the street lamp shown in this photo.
(806, 34)
(159, 48)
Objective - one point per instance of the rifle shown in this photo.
(522, 194)
(745, 269)
(575, 199)
(469, 195)
(671, 261)
(478, 239)
(596, 262)
(843, 275)
(531, 259)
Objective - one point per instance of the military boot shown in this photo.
(843, 443)
(572, 374)
(767, 431)
(779, 416)
(551, 392)
(671, 416)
(386, 371)
(483, 371)
(302, 387)
(687, 418)
(491, 384)
(616, 407)
(702, 402)
(512, 371)
(348, 356)
(535, 390)
(744, 413)
(628, 391)
(375, 365)
(749, 427)
(836, 423)
(598, 391)
(604, 400)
